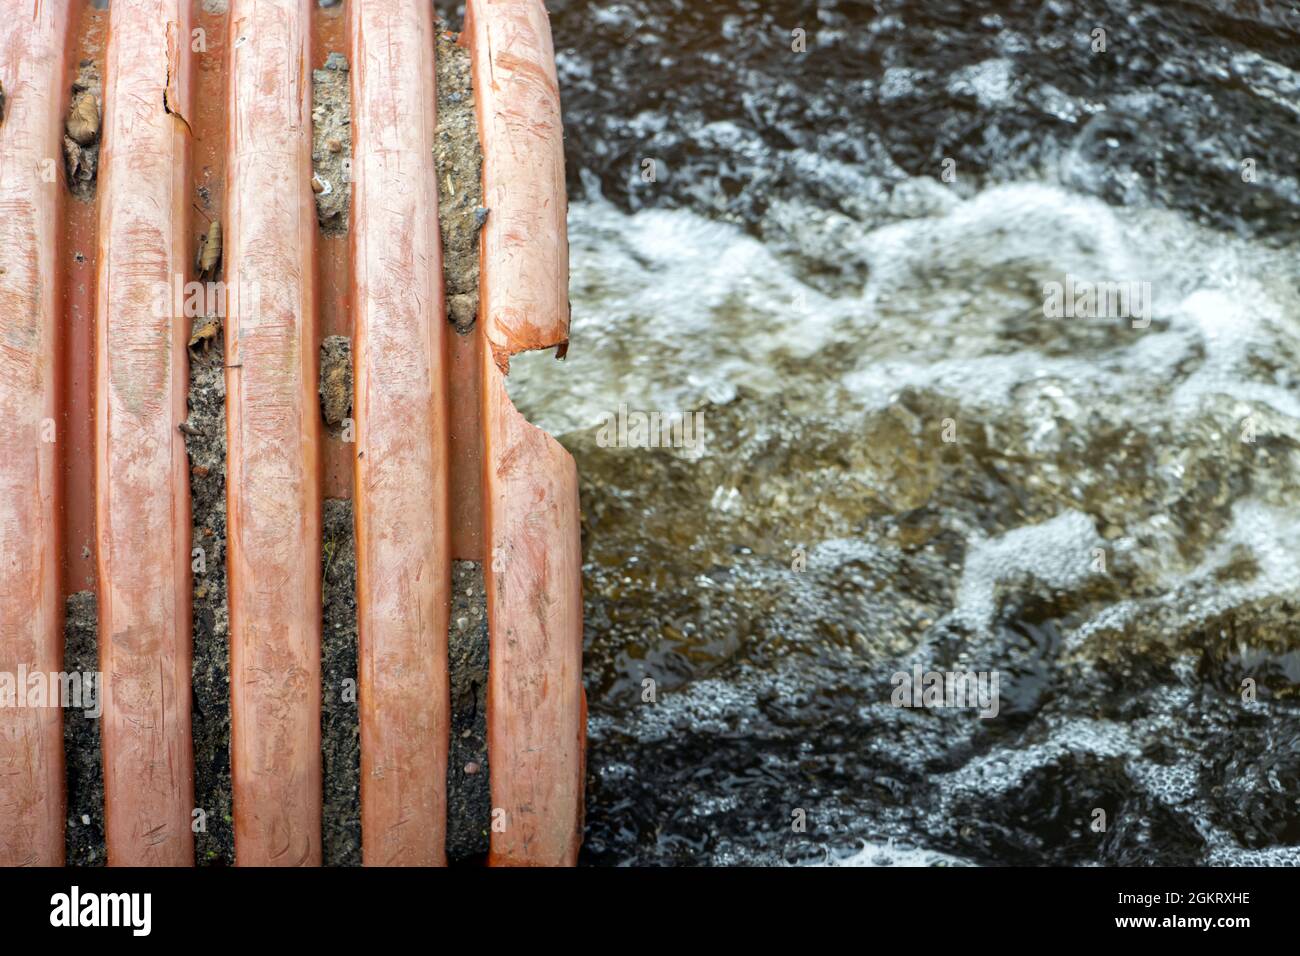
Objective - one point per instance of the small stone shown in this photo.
(462, 310)
(83, 119)
(471, 767)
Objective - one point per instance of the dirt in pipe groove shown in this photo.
(258, 301)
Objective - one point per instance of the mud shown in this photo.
(459, 162)
(336, 381)
(83, 768)
(469, 803)
(340, 732)
(205, 441)
(82, 129)
(331, 144)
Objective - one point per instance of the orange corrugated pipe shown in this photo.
(400, 490)
(273, 487)
(508, 500)
(31, 634)
(141, 468)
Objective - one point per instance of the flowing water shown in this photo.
(841, 259)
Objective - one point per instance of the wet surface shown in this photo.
(885, 91)
(907, 460)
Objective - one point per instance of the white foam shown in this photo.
(672, 309)
(669, 309)
(888, 854)
(1057, 553)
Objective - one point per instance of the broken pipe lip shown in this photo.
(536, 707)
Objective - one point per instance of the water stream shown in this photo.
(907, 460)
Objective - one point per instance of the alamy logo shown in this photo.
(75, 690)
(194, 300)
(1082, 299)
(75, 908)
(954, 689)
(625, 429)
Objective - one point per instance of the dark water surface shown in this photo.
(1113, 524)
